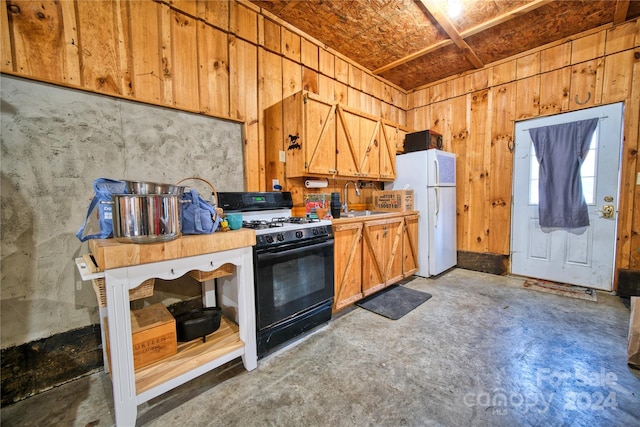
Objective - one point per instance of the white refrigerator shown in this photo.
(432, 176)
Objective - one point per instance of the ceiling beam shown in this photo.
(468, 33)
(452, 32)
(620, 15)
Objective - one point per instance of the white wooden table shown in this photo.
(126, 266)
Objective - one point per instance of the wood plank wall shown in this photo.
(221, 58)
(476, 113)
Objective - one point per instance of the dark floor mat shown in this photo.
(394, 302)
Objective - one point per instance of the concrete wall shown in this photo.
(55, 141)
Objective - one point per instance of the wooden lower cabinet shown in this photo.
(347, 268)
(371, 254)
(410, 245)
(381, 254)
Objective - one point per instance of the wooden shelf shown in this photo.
(190, 355)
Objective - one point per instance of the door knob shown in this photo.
(607, 211)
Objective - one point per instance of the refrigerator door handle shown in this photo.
(437, 165)
(437, 210)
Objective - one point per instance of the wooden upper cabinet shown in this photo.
(390, 138)
(324, 138)
(347, 134)
(357, 138)
(309, 135)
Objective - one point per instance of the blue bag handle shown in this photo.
(103, 189)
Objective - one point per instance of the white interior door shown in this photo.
(585, 259)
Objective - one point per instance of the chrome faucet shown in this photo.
(345, 206)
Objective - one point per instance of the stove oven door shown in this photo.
(292, 279)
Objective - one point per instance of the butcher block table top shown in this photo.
(109, 253)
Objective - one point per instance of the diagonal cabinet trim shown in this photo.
(372, 141)
(371, 248)
(394, 249)
(326, 128)
(349, 138)
(355, 243)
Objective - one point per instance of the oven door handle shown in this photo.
(295, 247)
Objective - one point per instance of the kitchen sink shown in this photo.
(355, 214)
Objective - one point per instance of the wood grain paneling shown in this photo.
(528, 104)
(504, 73)
(588, 47)
(291, 77)
(450, 118)
(555, 57)
(586, 84)
(620, 37)
(213, 60)
(243, 68)
(291, 45)
(554, 91)
(500, 170)
(618, 73)
(146, 76)
(102, 68)
(271, 38)
(309, 54)
(527, 66)
(326, 64)
(215, 13)
(34, 48)
(244, 22)
(6, 61)
(186, 87)
(478, 157)
(341, 70)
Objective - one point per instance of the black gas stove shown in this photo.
(269, 214)
(293, 266)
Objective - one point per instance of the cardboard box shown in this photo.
(154, 335)
(393, 200)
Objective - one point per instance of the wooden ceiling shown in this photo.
(414, 42)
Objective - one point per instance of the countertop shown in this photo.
(109, 253)
(375, 216)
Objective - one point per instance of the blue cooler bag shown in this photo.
(103, 189)
(198, 216)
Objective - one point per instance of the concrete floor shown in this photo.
(483, 351)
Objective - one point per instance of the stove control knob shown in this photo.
(280, 237)
(315, 231)
(269, 239)
(299, 234)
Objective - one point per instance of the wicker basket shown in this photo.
(143, 291)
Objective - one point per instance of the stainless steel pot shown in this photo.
(143, 187)
(146, 218)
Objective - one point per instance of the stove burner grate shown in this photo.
(260, 224)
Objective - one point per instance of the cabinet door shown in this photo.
(410, 245)
(373, 264)
(381, 254)
(319, 136)
(393, 251)
(388, 141)
(357, 140)
(347, 136)
(369, 147)
(347, 264)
